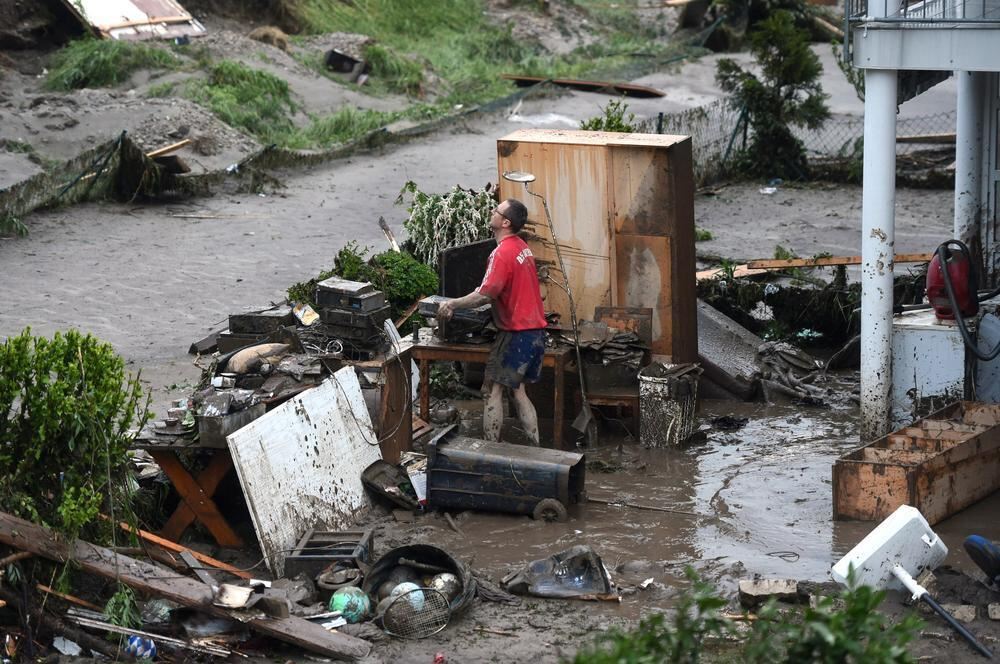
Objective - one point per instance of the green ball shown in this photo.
(352, 602)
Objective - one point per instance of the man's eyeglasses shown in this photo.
(496, 210)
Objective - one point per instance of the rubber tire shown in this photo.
(550, 509)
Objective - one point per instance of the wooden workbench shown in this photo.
(432, 350)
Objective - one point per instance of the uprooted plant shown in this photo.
(441, 221)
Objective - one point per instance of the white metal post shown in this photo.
(968, 154)
(877, 253)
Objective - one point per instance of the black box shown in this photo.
(369, 323)
(261, 322)
(363, 303)
(229, 341)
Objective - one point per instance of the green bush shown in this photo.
(103, 62)
(846, 628)
(66, 408)
(613, 119)
(696, 619)
(399, 275)
(787, 94)
(837, 630)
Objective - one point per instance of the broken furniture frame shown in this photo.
(196, 492)
(428, 351)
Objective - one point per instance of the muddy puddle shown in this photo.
(755, 500)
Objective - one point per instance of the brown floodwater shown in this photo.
(757, 501)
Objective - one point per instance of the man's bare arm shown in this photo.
(470, 301)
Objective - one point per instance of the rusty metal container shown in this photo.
(474, 474)
(940, 465)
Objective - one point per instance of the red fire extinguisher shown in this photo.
(952, 266)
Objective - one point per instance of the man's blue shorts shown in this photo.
(516, 357)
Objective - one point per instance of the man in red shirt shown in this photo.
(511, 285)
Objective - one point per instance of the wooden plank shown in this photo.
(932, 139)
(152, 20)
(167, 149)
(200, 571)
(177, 548)
(69, 598)
(165, 583)
(782, 263)
(738, 272)
(627, 89)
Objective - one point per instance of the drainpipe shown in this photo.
(877, 237)
(968, 155)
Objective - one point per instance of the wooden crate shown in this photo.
(623, 209)
(940, 465)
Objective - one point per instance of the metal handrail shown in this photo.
(922, 11)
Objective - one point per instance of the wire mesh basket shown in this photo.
(416, 614)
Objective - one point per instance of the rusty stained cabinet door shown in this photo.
(623, 209)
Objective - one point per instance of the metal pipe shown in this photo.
(968, 155)
(877, 253)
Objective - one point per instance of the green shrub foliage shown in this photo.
(66, 409)
(786, 94)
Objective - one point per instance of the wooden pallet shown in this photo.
(940, 465)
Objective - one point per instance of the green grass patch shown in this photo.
(702, 234)
(466, 50)
(95, 63)
(346, 124)
(161, 89)
(253, 100)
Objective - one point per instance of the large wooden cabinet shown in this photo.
(623, 210)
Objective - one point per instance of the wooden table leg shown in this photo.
(425, 392)
(196, 497)
(557, 406)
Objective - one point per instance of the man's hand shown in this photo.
(446, 309)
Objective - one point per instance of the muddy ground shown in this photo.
(152, 277)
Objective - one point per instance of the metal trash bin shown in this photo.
(668, 395)
(474, 474)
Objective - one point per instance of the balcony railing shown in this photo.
(923, 12)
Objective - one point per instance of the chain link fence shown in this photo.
(719, 130)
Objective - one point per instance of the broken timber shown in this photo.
(150, 578)
(627, 89)
(780, 263)
(940, 465)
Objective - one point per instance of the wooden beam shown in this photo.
(738, 272)
(161, 582)
(177, 548)
(932, 139)
(152, 20)
(69, 598)
(166, 149)
(782, 263)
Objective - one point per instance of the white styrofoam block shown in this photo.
(904, 538)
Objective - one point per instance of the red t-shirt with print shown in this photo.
(512, 282)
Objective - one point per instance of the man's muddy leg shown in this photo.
(493, 413)
(526, 413)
